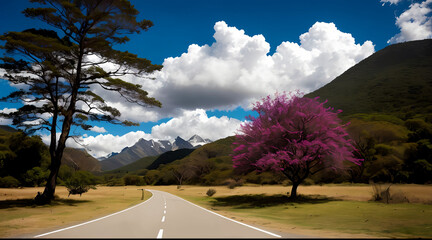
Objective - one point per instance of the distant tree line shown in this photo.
(24, 162)
(394, 150)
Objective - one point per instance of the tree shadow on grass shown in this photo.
(29, 202)
(262, 200)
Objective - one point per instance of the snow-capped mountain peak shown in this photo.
(151, 147)
(196, 140)
(107, 156)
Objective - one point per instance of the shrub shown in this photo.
(9, 182)
(232, 183)
(385, 196)
(379, 195)
(211, 192)
(80, 182)
(35, 177)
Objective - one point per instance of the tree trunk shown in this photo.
(294, 190)
(50, 186)
(56, 157)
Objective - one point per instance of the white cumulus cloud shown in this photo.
(236, 70)
(102, 144)
(390, 1)
(98, 129)
(7, 121)
(196, 122)
(415, 23)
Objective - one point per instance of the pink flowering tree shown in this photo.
(295, 135)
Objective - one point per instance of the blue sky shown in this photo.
(221, 56)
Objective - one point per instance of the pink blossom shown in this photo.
(295, 135)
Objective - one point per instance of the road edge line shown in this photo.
(244, 224)
(74, 226)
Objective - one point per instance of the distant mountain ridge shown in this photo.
(145, 148)
(396, 79)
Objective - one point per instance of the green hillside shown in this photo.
(170, 157)
(5, 128)
(387, 100)
(143, 163)
(396, 79)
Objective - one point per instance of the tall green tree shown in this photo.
(60, 67)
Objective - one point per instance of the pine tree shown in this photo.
(61, 66)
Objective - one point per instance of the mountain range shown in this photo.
(144, 148)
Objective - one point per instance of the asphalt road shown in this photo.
(163, 216)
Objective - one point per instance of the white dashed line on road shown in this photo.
(160, 233)
(163, 219)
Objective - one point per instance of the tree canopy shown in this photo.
(293, 135)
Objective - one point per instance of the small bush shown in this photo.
(399, 197)
(211, 192)
(80, 182)
(9, 182)
(35, 177)
(380, 195)
(232, 183)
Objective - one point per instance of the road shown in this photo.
(163, 216)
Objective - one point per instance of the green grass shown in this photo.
(326, 214)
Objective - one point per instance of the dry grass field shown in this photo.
(333, 210)
(356, 192)
(18, 217)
